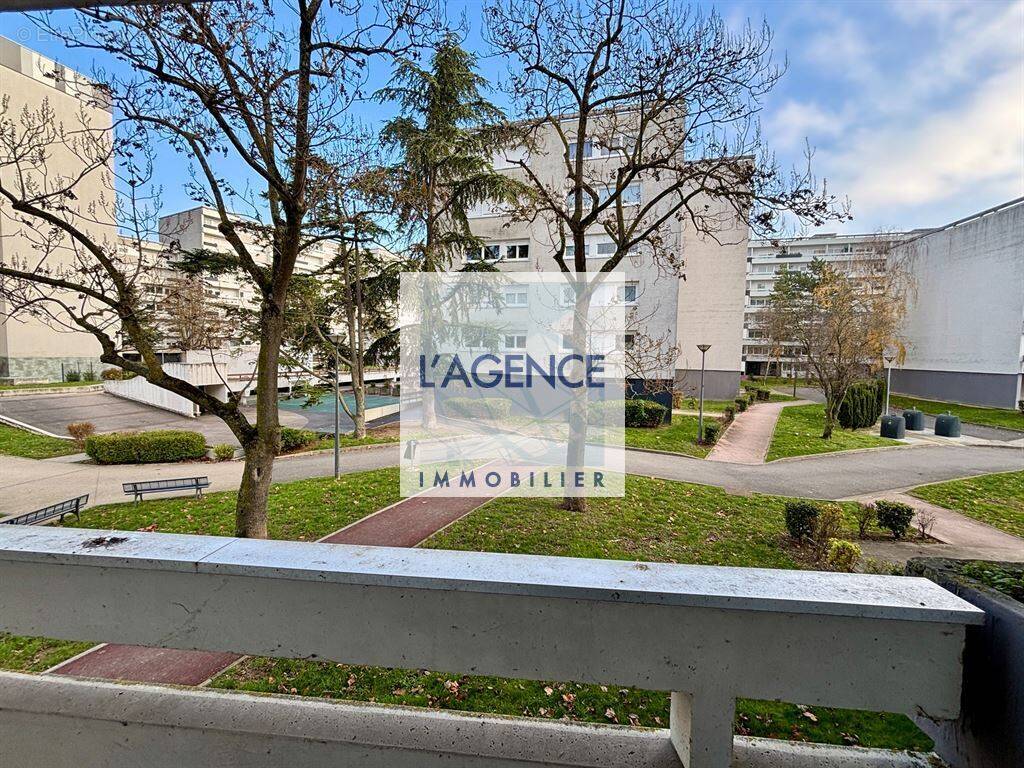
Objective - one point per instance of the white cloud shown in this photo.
(788, 126)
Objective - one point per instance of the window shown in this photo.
(492, 252)
(508, 158)
(516, 299)
(628, 340)
(631, 195)
(606, 249)
(515, 340)
(517, 252)
(570, 251)
(628, 293)
(588, 150)
(567, 341)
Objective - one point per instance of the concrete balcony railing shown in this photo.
(708, 635)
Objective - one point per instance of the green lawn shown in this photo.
(36, 654)
(49, 385)
(798, 433)
(28, 445)
(678, 437)
(658, 520)
(1006, 418)
(347, 441)
(994, 499)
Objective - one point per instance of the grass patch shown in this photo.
(1005, 418)
(36, 654)
(305, 510)
(28, 445)
(678, 437)
(994, 499)
(49, 385)
(658, 520)
(386, 434)
(1007, 578)
(798, 433)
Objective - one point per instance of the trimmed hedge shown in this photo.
(293, 439)
(165, 445)
(711, 432)
(894, 516)
(479, 407)
(741, 404)
(644, 413)
(863, 404)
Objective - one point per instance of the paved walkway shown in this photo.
(747, 438)
(404, 524)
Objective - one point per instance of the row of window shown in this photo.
(517, 340)
(499, 251)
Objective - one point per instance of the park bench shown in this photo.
(168, 485)
(69, 507)
(706, 634)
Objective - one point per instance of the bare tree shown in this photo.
(252, 96)
(660, 94)
(841, 319)
(188, 316)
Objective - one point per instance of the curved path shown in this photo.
(27, 484)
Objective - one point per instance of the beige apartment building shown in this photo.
(31, 348)
(704, 307)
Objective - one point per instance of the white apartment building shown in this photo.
(704, 308)
(31, 348)
(767, 259)
(964, 329)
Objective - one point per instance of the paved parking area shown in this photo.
(111, 414)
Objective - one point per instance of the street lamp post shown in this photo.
(700, 412)
(889, 356)
(336, 340)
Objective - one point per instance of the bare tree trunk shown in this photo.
(262, 443)
(575, 454)
(831, 410)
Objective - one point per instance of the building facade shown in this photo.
(701, 303)
(965, 322)
(32, 347)
(767, 259)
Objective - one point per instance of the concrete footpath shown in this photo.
(746, 439)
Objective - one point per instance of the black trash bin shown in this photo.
(947, 425)
(914, 419)
(894, 427)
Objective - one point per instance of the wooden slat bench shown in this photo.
(138, 489)
(68, 507)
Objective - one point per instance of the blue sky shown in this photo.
(915, 108)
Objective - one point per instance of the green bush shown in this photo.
(711, 432)
(223, 451)
(644, 413)
(116, 374)
(293, 439)
(827, 526)
(478, 407)
(862, 405)
(729, 413)
(842, 556)
(72, 376)
(90, 374)
(741, 404)
(146, 447)
(894, 516)
(764, 395)
(801, 516)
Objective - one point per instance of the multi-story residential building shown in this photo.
(964, 329)
(705, 307)
(33, 348)
(767, 259)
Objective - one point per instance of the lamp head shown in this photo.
(703, 347)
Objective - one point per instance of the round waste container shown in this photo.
(914, 419)
(947, 425)
(894, 427)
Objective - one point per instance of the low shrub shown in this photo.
(1020, 406)
(711, 432)
(865, 515)
(894, 516)
(729, 413)
(72, 376)
(224, 452)
(881, 567)
(827, 526)
(764, 395)
(841, 555)
(478, 407)
(80, 430)
(800, 518)
(90, 375)
(293, 439)
(644, 413)
(741, 404)
(862, 405)
(146, 447)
